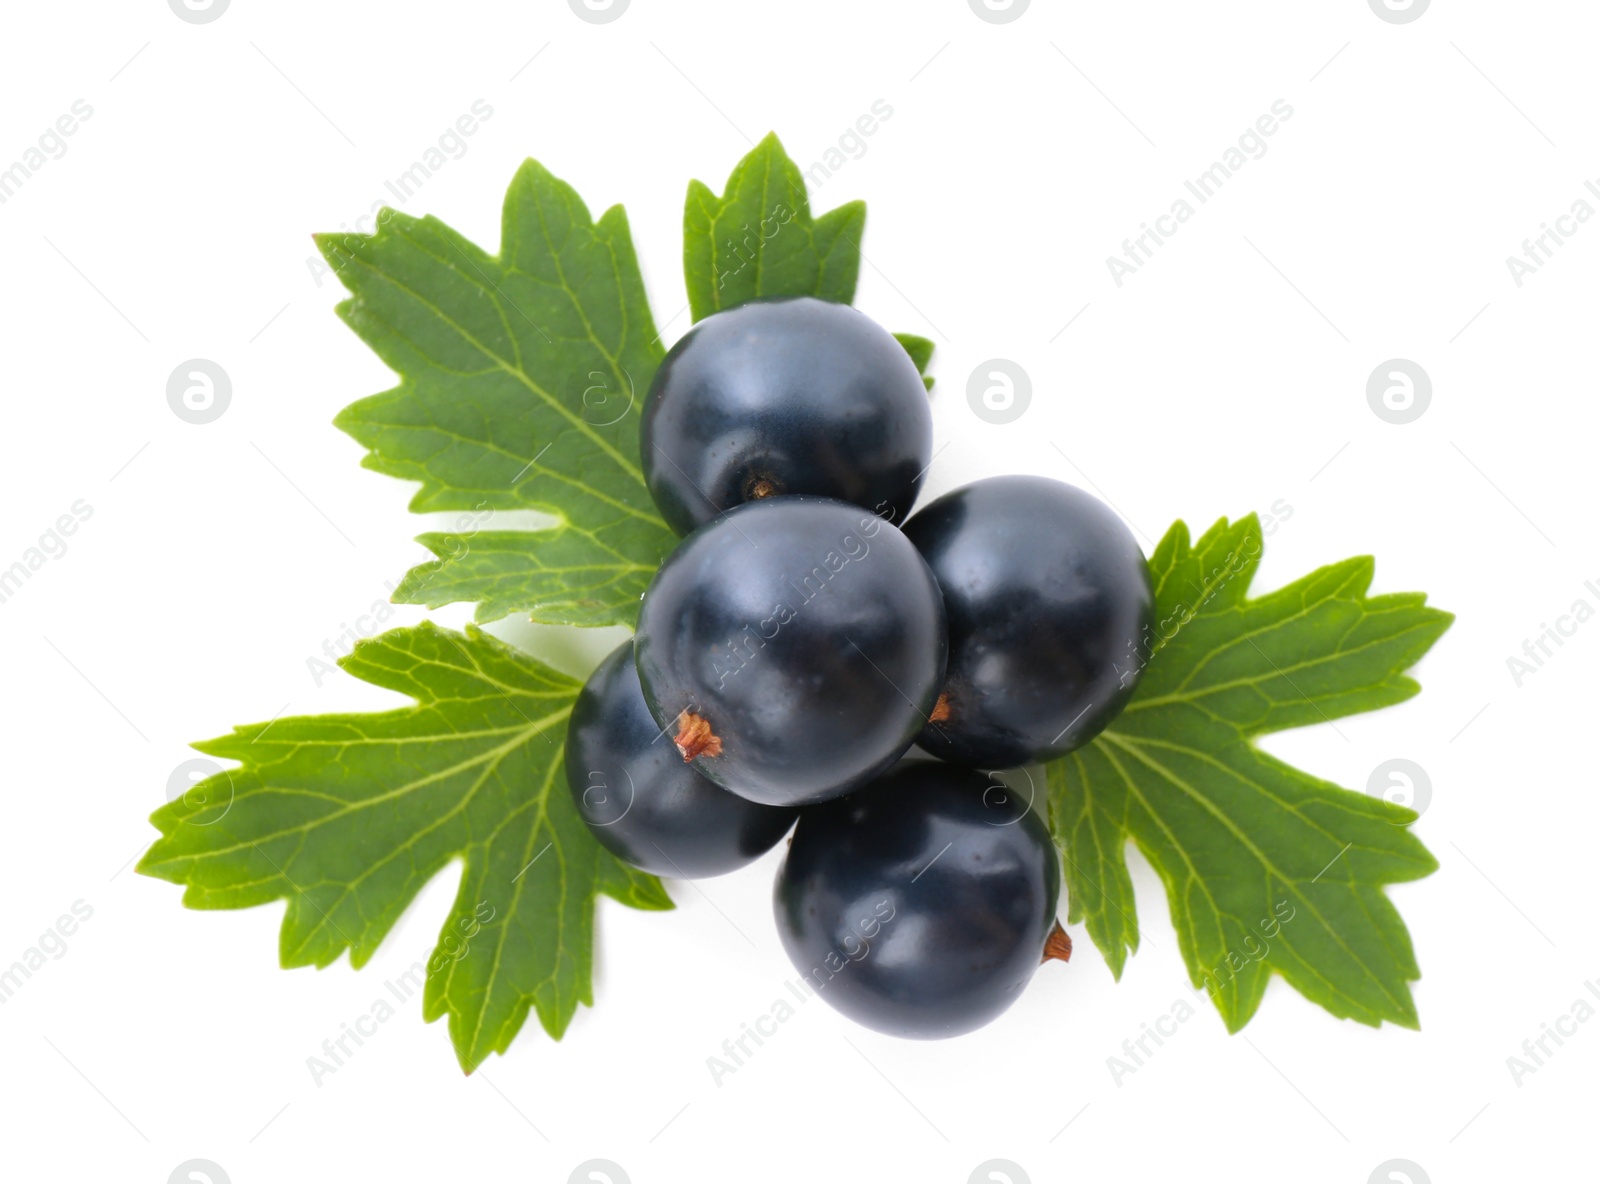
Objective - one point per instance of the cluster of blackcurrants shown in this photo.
(798, 643)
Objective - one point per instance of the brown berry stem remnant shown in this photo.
(759, 487)
(941, 709)
(695, 737)
(1058, 945)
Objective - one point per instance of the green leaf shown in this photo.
(921, 351)
(759, 240)
(346, 817)
(554, 575)
(521, 378)
(1267, 869)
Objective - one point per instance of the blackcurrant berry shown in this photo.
(640, 800)
(793, 647)
(1050, 609)
(921, 905)
(782, 397)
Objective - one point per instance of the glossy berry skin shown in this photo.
(793, 648)
(1050, 608)
(641, 801)
(796, 396)
(920, 905)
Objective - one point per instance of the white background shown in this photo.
(1227, 375)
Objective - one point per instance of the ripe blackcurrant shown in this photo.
(638, 797)
(783, 397)
(921, 904)
(793, 647)
(1050, 609)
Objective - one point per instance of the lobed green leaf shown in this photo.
(521, 378)
(346, 817)
(1267, 869)
(759, 240)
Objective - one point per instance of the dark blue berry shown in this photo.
(922, 904)
(794, 647)
(1050, 608)
(641, 801)
(785, 397)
